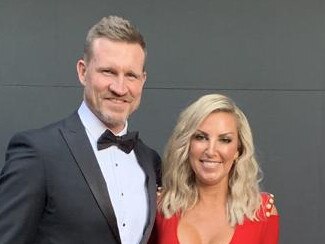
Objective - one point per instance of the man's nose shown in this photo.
(118, 86)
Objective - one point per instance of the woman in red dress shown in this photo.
(211, 192)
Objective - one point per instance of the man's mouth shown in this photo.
(115, 100)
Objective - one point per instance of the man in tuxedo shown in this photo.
(86, 179)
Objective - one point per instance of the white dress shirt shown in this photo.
(124, 178)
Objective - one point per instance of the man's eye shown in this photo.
(132, 76)
(108, 72)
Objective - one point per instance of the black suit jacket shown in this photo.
(52, 189)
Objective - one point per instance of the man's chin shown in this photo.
(114, 120)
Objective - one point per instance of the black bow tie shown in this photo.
(126, 142)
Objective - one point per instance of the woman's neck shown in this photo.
(213, 196)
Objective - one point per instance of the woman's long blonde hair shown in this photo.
(178, 180)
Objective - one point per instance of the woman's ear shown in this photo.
(236, 155)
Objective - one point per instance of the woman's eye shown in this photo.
(200, 137)
(225, 140)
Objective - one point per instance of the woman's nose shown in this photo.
(212, 148)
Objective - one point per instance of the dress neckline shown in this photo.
(177, 216)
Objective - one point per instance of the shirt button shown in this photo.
(123, 224)
(122, 194)
(116, 165)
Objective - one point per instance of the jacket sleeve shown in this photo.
(22, 192)
(158, 169)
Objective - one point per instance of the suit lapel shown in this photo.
(150, 184)
(77, 140)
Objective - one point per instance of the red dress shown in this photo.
(264, 231)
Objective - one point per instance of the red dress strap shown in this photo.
(266, 206)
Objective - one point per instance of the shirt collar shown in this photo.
(92, 124)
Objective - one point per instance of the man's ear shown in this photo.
(144, 76)
(81, 70)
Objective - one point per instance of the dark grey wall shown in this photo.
(267, 55)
